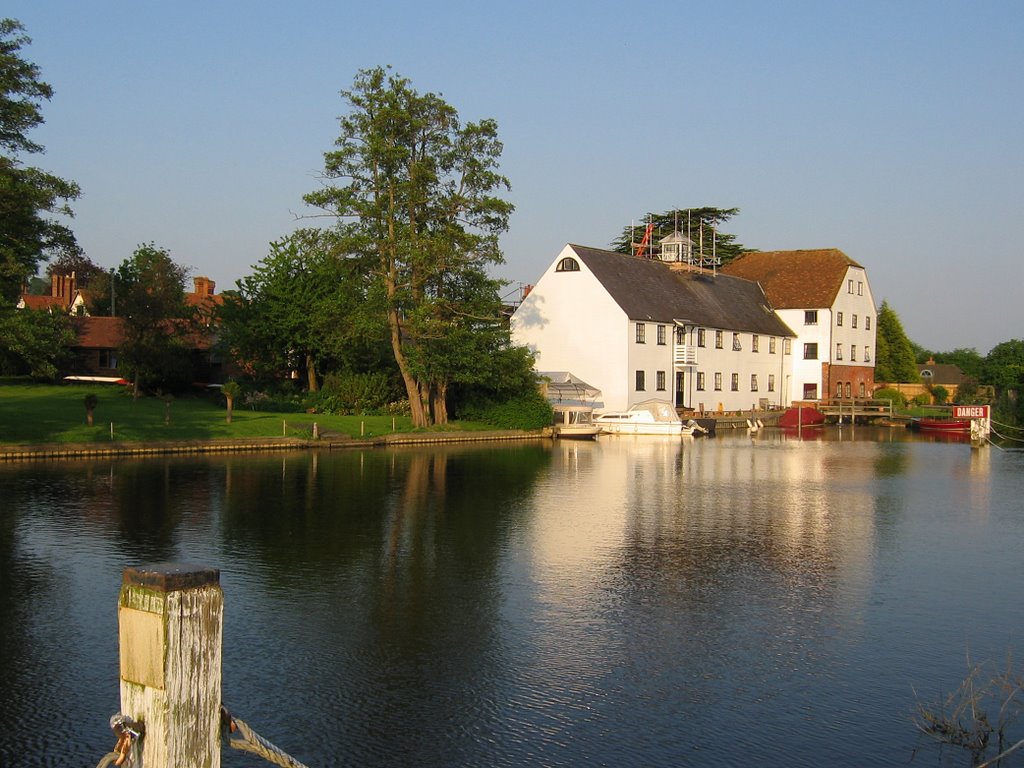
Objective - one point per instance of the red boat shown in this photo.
(804, 416)
(945, 426)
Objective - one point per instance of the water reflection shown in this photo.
(626, 601)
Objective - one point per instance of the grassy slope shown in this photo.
(39, 413)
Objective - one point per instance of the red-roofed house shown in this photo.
(824, 296)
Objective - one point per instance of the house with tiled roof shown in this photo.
(825, 297)
(640, 328)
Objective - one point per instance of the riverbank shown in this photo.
(63, 451)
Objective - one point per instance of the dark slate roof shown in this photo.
(795, 279)
(647, 289)
(942, 373)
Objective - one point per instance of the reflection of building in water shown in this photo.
(696, 518)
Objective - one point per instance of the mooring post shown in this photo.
(170, 620)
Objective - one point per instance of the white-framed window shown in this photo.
(811, 351)
(641, 381)
(787, 346)
(641, 333)
(853, 353)
(661, 335)
(860, 288)
(867, 354)
(753, 382)
(568, 264)
(853, 324)
(839, 351)
(700, 381)
(718, 381)
(718, 340)
(771, 382)
(867, 322)
(771, 345)
(736, 347)
(849, 286)
(734, 382)
(659, 381)
(700, 337)
(755, 342)
(810, 317)
(839, 319)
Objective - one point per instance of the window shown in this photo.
(849, 390)
(718, 339)
(810, 351)
(854, 323)
(568, 264)
(755, 342)
(718, 381)
(771, 382)
(734, 382)
(867, 322)
(771, 345)
(849, 286)
(640, 381)
(736, 343)
(867, 354)
(700, 337)
(853, 353)
(861, 389)
(839, 351)
(700, 381)
(839, 319)
(787, 346)
(680, 335)
(641, 333)
(661, 335)
(860, 288)
(753, 382)
(810, 317)
(810, 391)
(659, 381)
(108, 358)
(839, 389)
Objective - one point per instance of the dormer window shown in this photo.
(568, 264)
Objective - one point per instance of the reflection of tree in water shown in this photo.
(390, 559)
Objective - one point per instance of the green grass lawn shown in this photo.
(40, 413)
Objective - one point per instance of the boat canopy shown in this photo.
(562, 388)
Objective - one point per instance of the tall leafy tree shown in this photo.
(415, 193)
(305, 307)
(894, 355)
(150, 289)
(701, 225)
(29, 197)
(1004, 366)
(35, 343)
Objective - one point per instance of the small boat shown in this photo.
(574, 422)
(941, 425)
(803, 416)
(651, 417)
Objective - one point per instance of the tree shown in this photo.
(90, 401)
(231, 390)
(699, 224)
(1004, 366)
(306, 306)
(35, 343)
(413, 190)
(28, 196)
(157, 327)
(87, 273)
(894, 356)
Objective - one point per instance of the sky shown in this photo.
(890, 130)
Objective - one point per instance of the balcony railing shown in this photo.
(685, 354)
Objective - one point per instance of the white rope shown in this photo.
(251, 741)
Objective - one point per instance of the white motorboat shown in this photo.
(651, 417)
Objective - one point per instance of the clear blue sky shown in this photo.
(890, 130)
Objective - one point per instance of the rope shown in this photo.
(250, 741)
(108, 760)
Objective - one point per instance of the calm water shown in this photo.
(629, 602)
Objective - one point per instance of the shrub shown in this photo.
(528, 411)
(356, 393)
(899, 400)
(922, 399)
(941, 394)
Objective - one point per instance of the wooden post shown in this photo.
(170, 619)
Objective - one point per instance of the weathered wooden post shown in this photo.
(170, 620)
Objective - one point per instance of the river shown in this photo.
(734, 601)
